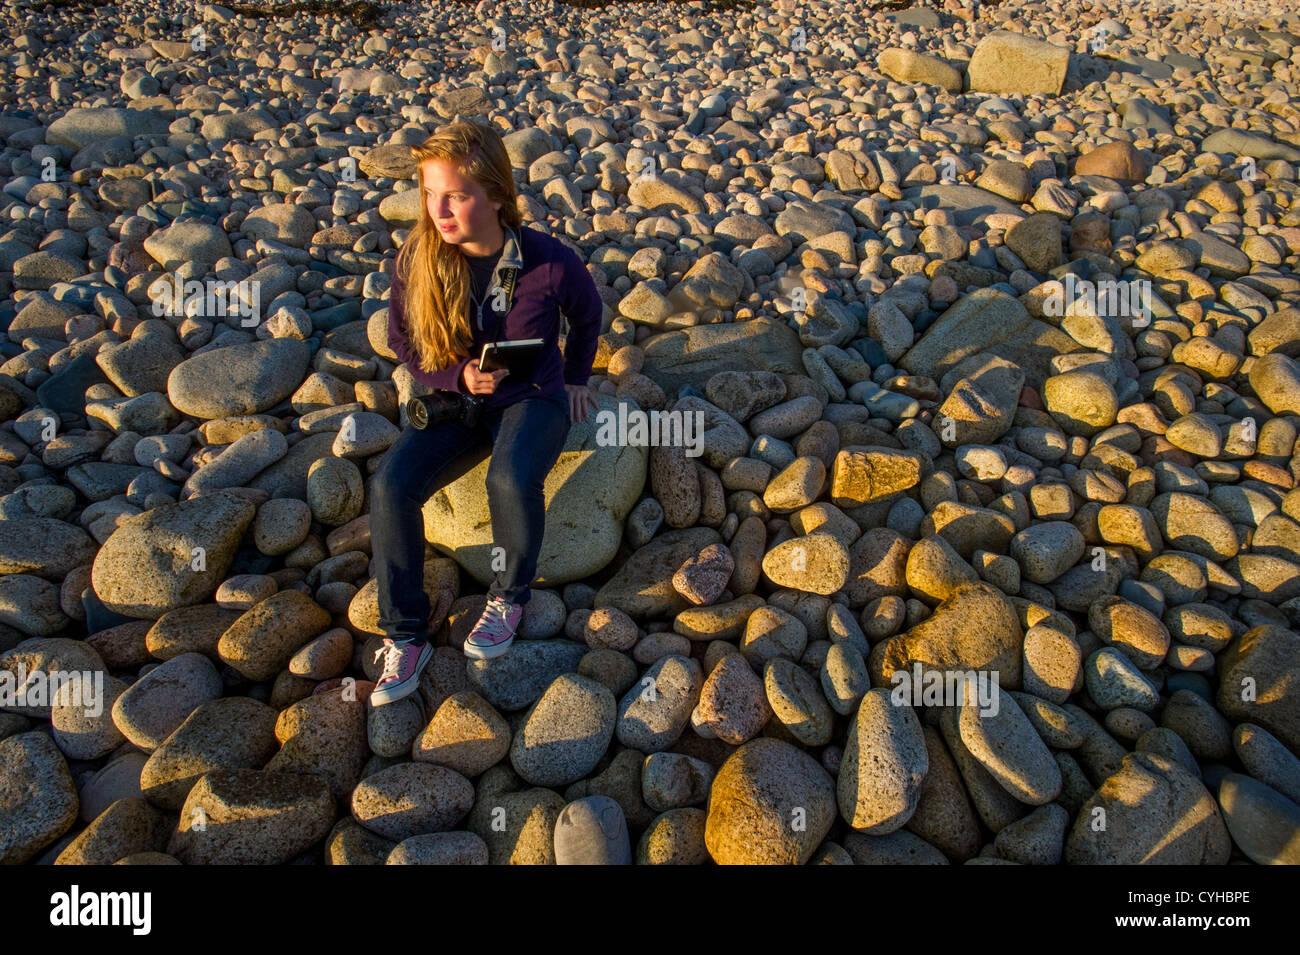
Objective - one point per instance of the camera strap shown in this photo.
(508, 284)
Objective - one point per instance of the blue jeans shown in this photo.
(527, 437)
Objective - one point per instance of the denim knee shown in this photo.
(505, 481)
(400, 474)
(385, 487)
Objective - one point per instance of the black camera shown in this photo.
(425, 411)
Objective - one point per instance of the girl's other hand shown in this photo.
(580, 399)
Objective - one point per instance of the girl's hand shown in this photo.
(482, 382)
(580, 399)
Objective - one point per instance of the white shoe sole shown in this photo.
(487, 653)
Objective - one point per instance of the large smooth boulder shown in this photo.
(981, 404)
(771, 804)
(1276, 380)
(44, 546)
(976, 628)
(38, 801)
(188, 241)
(695, 354)
(1152, 811)
(991, 321)
(968, 204)
(588, 494)
(80, 127)
(1257, 682)
(1006, 62)
(240, 379)
(643, 586)
(170, 556)
(251, 817)
(908, 66)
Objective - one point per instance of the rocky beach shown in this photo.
(988, 551)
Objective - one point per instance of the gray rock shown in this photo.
(592, 831)
(1276, 379)
(675, 780)
(696, 353)
(238, 379)
(86, 731)
(1267, 760)
(1006, 62)
(1004, 742)
(237, 124)
(188, 241)
(1150, 811)
(514, 680)
(987, 320)
(251, 817)
(968, 203)
(227, 733)
(43, 546)
(412, 799)
(291, 224)
(565, 733)
(883, 764)
(38, 802)
(758, 790)
(1264, 824)
(1114, 681)
(896, 848)
(797, 701)
(440, 848)
(1238, 142)
(142, 364)
(653, 713)
(161, 700)
(240, 462)
(170, 556)
(78, 128)
(643, 586)
(1037, 839)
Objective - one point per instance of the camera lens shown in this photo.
(417, 412)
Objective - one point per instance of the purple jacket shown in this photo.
(551, 279)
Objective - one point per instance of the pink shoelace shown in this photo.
(391, 653)
(493, 623)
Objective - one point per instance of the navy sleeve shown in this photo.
(449, 377)
(583, 306)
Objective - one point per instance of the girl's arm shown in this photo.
(583, 306)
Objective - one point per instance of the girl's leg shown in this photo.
(416, 465)
(528, 440)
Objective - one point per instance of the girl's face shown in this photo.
(458, 206)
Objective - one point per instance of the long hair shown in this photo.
(435, 273)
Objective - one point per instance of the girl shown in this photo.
(447, 287)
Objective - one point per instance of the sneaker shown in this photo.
(495, 630)
(403, 662)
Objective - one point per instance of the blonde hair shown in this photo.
(435, 273)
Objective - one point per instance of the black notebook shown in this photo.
(517, 357)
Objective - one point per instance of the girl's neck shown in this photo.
(487, 247)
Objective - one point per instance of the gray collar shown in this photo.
(512, 253)
(511, 256)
